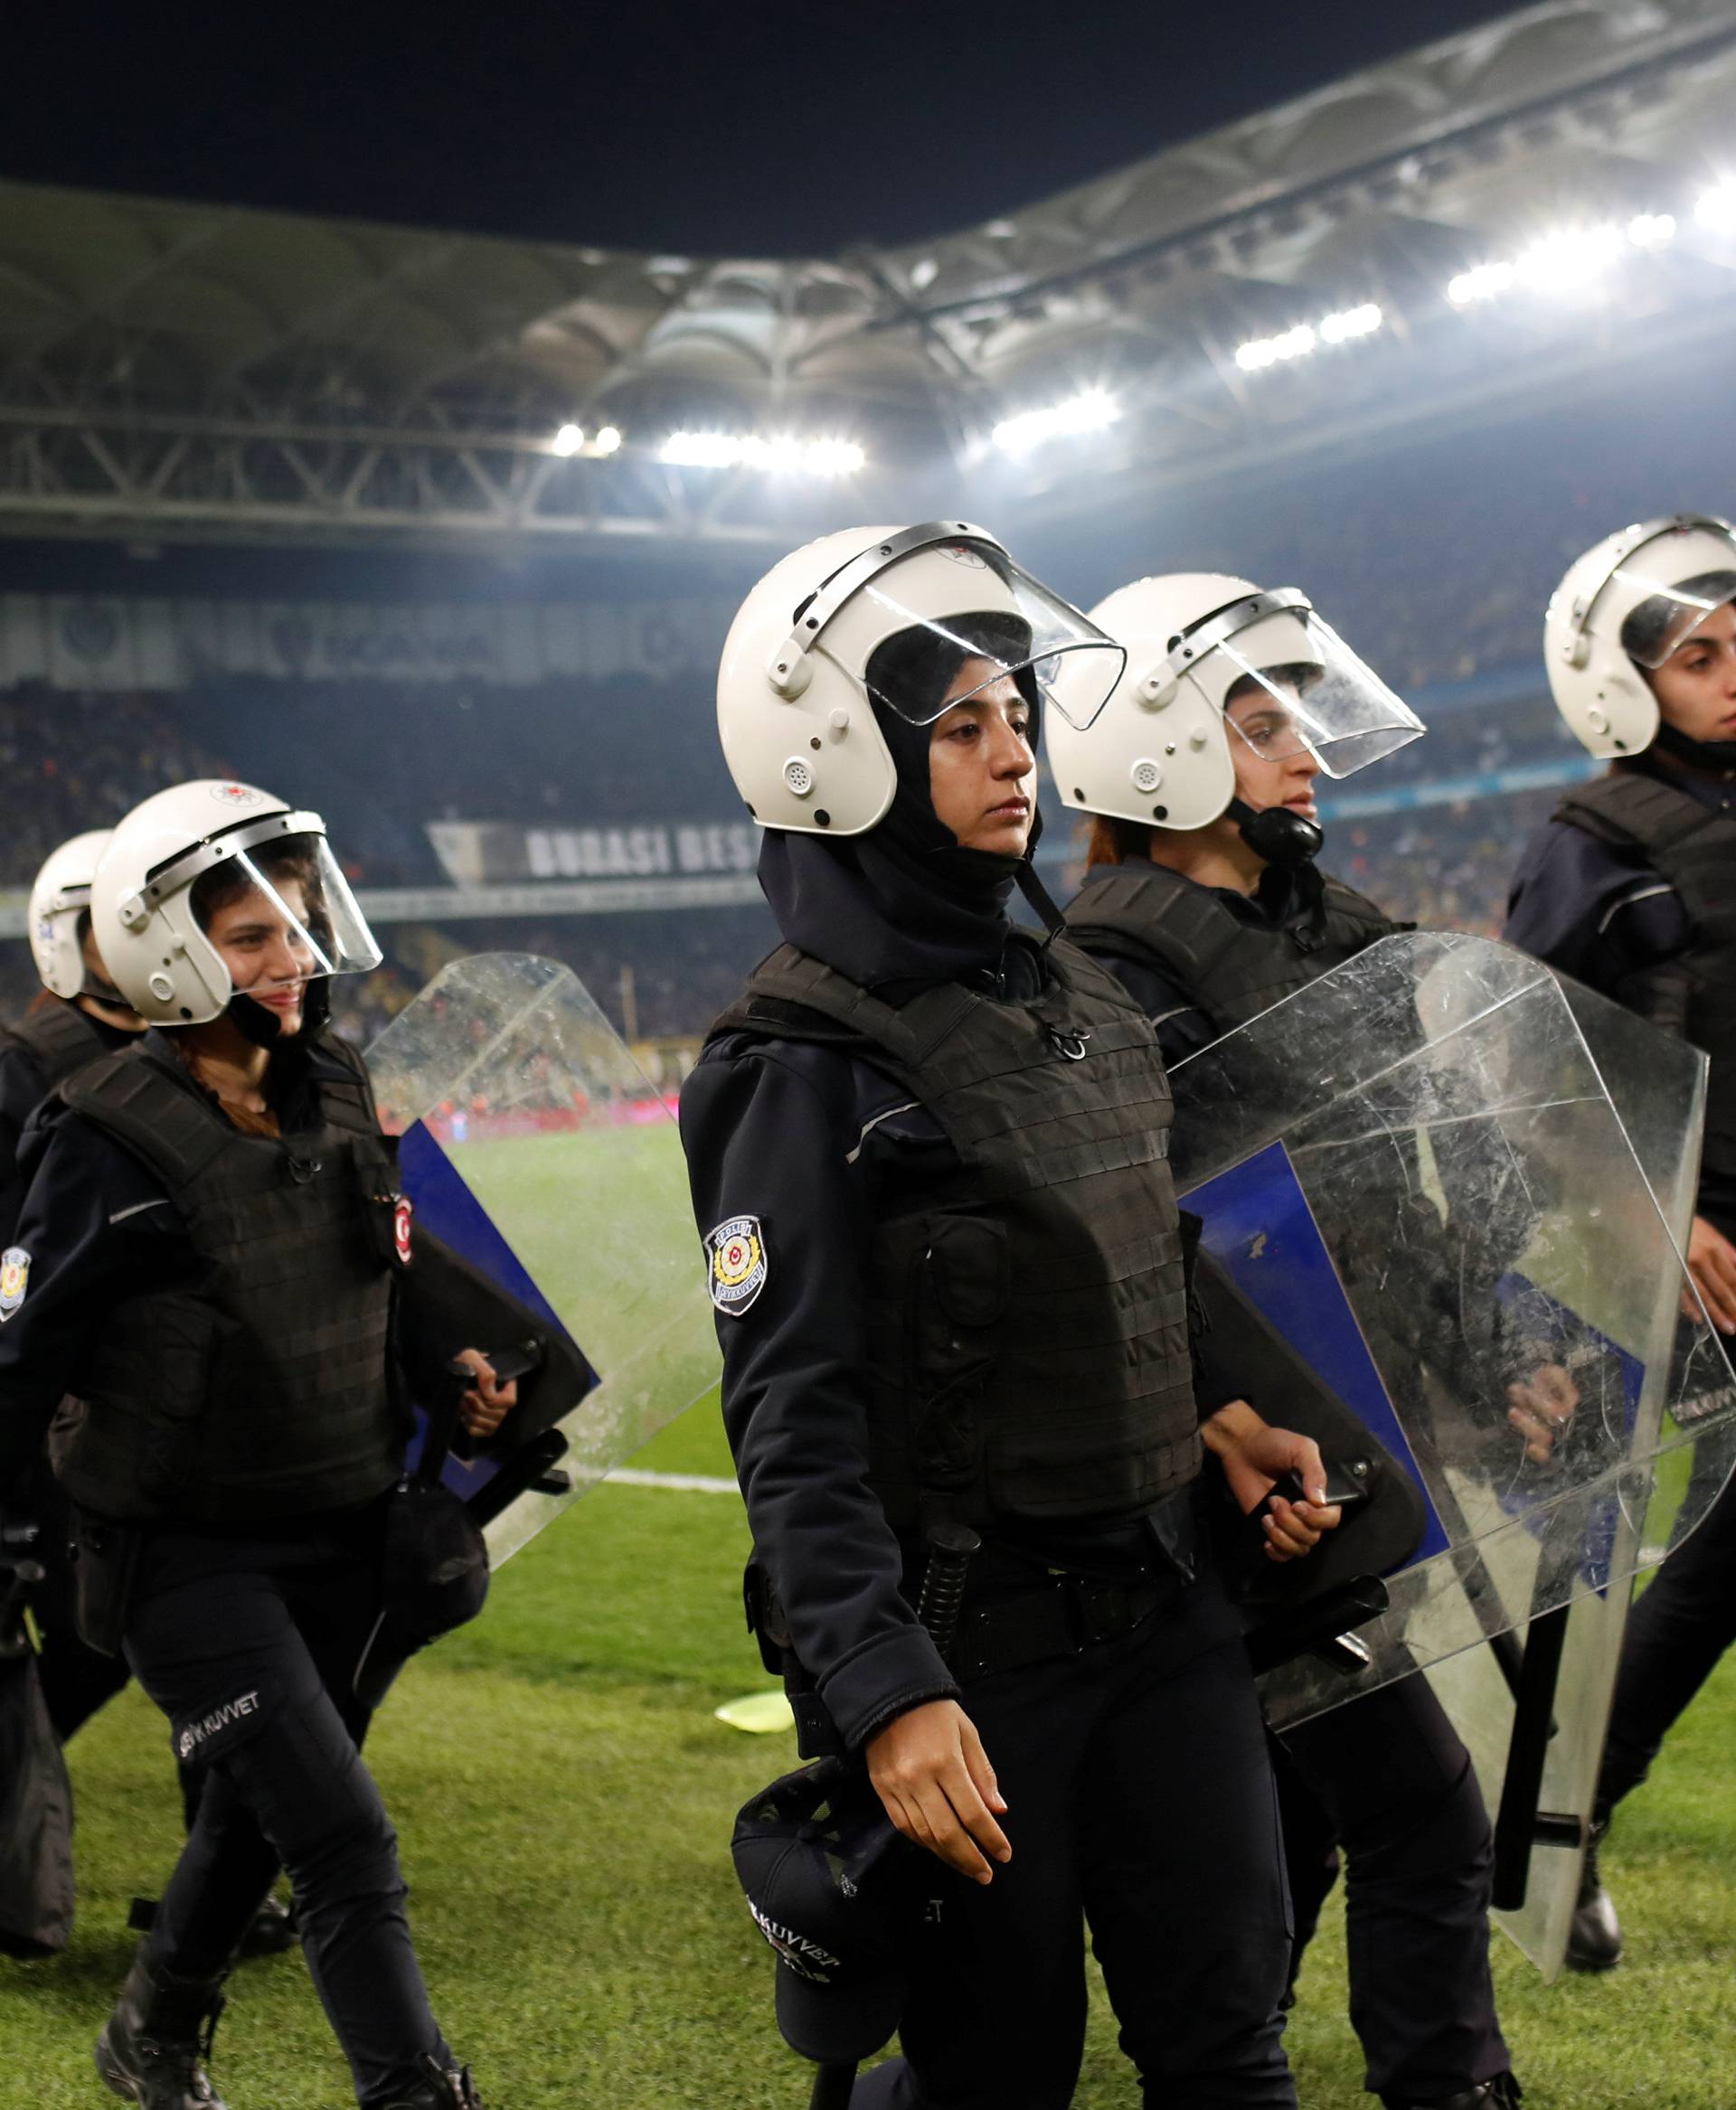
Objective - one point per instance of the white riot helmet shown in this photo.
(1196, 643)
(794, 707)
(142, 906)
(60, 896)
(1626, 606)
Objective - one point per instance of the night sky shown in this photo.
(752, 127)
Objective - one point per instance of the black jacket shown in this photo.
(1600, 911)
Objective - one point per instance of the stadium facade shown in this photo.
(393, 518)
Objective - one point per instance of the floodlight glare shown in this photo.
(832, 457)
(1295, 343)
(1354, 322)
(1652, 231)
(569, 439)
(781, 453)
(1087, 412)
(1569, 261)
(701, 450)
(607, 439)
(1481, 282)
(1716, 209)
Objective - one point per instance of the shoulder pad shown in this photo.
(1630, 809)
(1168, 920)
(158, 1116)
(61, 1037)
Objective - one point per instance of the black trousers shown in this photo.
(1675, 1634)
(1387, 1779)
(76, 1681)
(249, 1647)
(1140, 1800)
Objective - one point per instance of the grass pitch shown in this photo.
(564, 1797)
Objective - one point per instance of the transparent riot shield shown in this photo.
(1543, 1806)
(1441, 1174)
(534, 1143)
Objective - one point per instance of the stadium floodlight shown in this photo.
(1652, 231)
(832, 457)
(1089, 411)
(1571, 260)
(1354, 322)
(569, 439)
(781, 453)
(1715, 210)
(607, 439)
(1259, 352)
(701, 450)
(1481, 282)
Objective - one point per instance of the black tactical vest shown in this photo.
(1026, 1326)
(1231, 969)
(260, 1386)
(59, 1039)
(1693, 846)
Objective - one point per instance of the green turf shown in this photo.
(563, 1797)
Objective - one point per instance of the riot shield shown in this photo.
(1438, 1172)
(534, 1146)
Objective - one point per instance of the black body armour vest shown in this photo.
(1026, 1327)
(1693, 846)
(60, 1038)
(1232, 969)
(260, 1386)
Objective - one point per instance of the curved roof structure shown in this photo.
(175, 368)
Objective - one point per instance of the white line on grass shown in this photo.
(686, 1483)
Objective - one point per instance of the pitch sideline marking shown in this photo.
(686, 1482)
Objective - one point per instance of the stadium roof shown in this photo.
(173, 369)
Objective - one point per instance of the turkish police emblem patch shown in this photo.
(400, 1210)
(737, 1251)
(14, 1279)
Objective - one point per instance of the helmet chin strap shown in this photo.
(1040, 899)
(1276, 835)
(1704, 754)
(262, 1026)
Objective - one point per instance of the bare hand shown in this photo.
(486, 1403)
(1541, 1407)
(1253, 1455)
(931, 1771)
(1711, 1262)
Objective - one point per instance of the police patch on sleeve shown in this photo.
(14, 1279)
(737, 1252)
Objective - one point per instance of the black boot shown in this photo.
(1594, 1938)
(272, 1929)
(440, 2087)
(1503, 2093)
(153, 2048)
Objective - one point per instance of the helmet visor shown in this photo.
(283, 912)
(956, 617)
(1671, 611)
(1298, 688)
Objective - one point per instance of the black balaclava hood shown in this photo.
(905, 902)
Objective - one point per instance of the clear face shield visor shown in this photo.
(1672, 615)
(275, 904)
(1296, 687)
(939, 614)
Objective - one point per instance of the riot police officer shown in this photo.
(926, 1156)
(1631, 888)
(204, 1272)
(1205, 899)
(77, 1015)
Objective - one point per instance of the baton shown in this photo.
(951, 1548)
